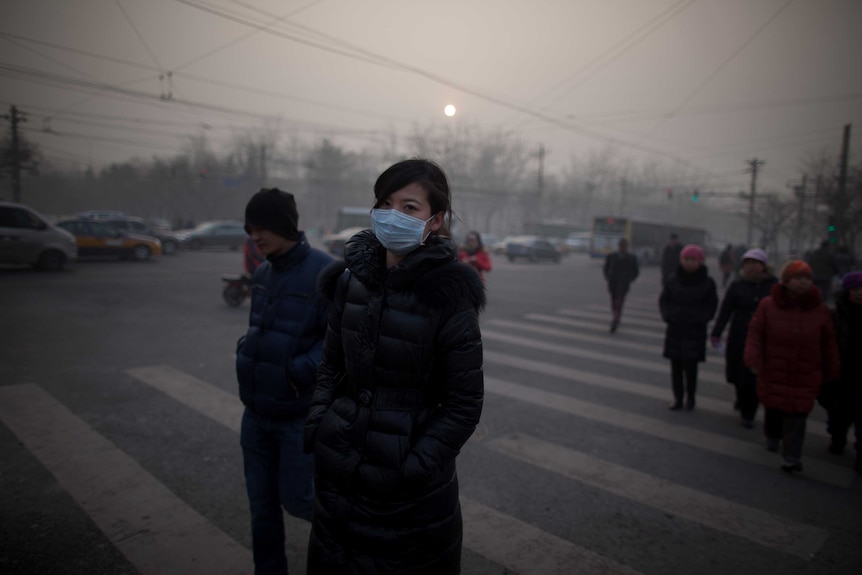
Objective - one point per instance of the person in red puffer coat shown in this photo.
(473, 254)
(791, 347)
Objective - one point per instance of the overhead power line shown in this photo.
(361, 54)
(247, 89)
(59, 79)
(243, 37)
(615, 51)
(723, 65)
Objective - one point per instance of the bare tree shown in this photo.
(844, 207)
(773, 217)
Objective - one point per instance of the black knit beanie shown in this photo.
(273, 210)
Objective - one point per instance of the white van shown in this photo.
(27, 238)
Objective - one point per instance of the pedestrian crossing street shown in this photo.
(543, 361)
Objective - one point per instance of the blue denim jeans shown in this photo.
(277, 474)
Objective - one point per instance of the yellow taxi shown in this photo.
(98, 238)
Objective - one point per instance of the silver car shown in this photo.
(27, 238)
(230, 234)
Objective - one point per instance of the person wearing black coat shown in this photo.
(399, 389)
(845, 402)
(738, 306)
(687, 303)
(620, 270)
(670, 258)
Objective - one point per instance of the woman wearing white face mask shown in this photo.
(399, 389)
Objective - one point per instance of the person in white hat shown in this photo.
(738, 306)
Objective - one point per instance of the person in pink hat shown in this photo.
(687, 303)
(741, 299)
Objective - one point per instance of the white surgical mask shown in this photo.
(398, 232)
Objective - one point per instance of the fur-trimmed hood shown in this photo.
(432, 271)
(806, 301)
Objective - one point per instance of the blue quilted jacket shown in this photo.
(277, 358)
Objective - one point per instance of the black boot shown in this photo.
(691, 388)
(676, 405)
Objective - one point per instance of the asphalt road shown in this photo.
(120, 452)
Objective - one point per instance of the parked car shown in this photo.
(101, 214)
(225, 234)
(531, 248)
(99, 238)
(560, 245)
(133, 225)
(26, 237)
(499, 247)
(334, 243)
(159, 224)
(579, 242)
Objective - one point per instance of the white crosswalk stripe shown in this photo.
(714, 512)
(719, 444)
(226, 410)
(609, 382)
(629, 311)
(594, 326)
(616, 359)
(144, 515)
(156, 531)
(520, 326)
(581, 313)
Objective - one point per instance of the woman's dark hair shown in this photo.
(478, 237)
(425, 173)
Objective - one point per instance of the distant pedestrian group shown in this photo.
(785, 350)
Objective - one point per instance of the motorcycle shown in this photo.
(236, 289)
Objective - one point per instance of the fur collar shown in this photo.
(809, 300)
(691, 278)
(432, 271)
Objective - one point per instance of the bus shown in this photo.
(646, 239)
(553, 228)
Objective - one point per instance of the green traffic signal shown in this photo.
(695, 197)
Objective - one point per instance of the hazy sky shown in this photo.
(711, 83)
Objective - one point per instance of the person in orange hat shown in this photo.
(790, 344)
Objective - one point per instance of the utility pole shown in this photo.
(800, 192)
(14, 153)
(843, 202)
(263, 165)
(753, 165)
(623, 190)
(541, 180)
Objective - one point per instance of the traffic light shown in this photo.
(830, 228)
(670, 193)
(695, 196)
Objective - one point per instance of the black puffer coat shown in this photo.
(620, 270)
(399, 392)
(687, 303)
(848, 331)
(738, 306)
